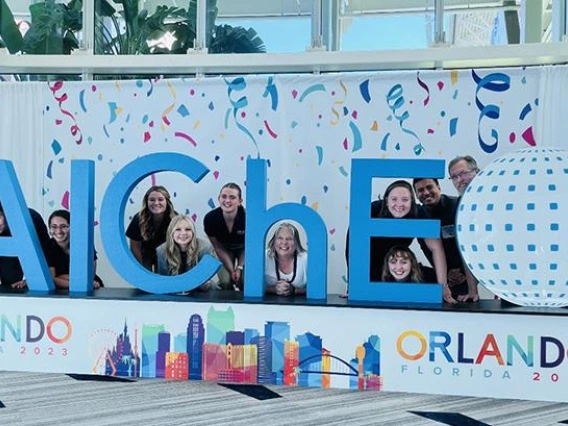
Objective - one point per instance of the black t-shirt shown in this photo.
(148, 246)
(10, 267)
(215, 226)
(59, 259)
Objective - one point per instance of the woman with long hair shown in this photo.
(225, 227)
(57, 254)
(401, 266)
(286, 262)
(147, 229)
(182, 249)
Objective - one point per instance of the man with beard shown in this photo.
(444, 208)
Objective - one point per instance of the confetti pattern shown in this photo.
(307, 127)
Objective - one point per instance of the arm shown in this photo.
(439, 258)
(60, 281)
(224, 256)
(136, 249)
(472, 293)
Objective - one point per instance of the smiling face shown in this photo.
(399, 202)
(461, 175)
(59, 229)
(157, 203)
(284, 243)
(183, 234)
(399, 267)
(229, 200)
(428, 192)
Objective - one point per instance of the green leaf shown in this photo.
(9, 31)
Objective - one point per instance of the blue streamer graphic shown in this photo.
(310, 90)
(494, 82)
(272, 91)
(364, 89)
(395, 101)
(357, 140)
(237, 85)
(82, 100)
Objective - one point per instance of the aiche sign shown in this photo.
(23, 242)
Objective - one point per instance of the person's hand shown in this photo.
(205, 286)
(283, 288)
(20, 284)
(471, 296)
(236, 275)
(447, 295)
(455, 277)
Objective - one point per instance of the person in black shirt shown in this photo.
(444, 208)
(57, 254)
(11, 273)
(147, 229)
(225, 227)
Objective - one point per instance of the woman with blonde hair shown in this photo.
(147, 229)
(286, 262)
(183, 250)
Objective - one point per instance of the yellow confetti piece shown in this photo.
(315, 205)
(375, 126)
(454, 76)
(197, 125)
(118, 110)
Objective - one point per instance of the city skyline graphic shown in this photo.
(212, 349)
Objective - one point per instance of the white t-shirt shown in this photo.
(301, 271)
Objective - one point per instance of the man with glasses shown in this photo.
(11, 273)
(462, 171)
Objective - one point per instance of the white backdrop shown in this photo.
(308, 127)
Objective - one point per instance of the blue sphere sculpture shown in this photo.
(512, 227)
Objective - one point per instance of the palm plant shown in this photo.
(52, 28)
(141, 29)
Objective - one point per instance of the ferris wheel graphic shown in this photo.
(101, 344)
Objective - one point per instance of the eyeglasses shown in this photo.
(60, 227)
(461, 174)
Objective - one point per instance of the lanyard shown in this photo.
(278, 269)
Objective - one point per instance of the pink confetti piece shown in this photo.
(332, 231)
(216, 174)
(294, 93)
(430, 131)
(186, 137)
(65, 200)
(147, 136)
(440, 85)
(528, 136)
(354, 115)
(345, 144)
(269, 130)
(58, 122)
(166, 121)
